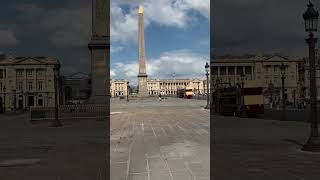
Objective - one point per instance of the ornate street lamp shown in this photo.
(283, 77)
(4, 98)
(207, 68)
(311, 23)
(56, 122)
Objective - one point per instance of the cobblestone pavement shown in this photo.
(159, 140)
(37, 152)
(252, 149)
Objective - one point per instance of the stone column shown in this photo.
(100, 52)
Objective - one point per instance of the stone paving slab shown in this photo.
(250, 149)
(164, 138)
(74, 151)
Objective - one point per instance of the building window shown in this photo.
(40, 85)
(40, 101)
(231, 70)
(30, 86)
(29, 72)
(248, 69)
(19, 73)
(40, 73)
(1, 74)
(239, 70)
(223, 70)
(20, 86)
(215, 70)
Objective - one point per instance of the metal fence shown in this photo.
(70, 112)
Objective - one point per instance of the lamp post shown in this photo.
(23, 103)
(283, 77)
(207, 68)
(128, 91)
(311, 23)
(243, 110)
(14, 100)
(198, 90)
(56, 122)
(270, 91)
(4, 99)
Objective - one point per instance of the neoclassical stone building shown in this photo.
(27, 82)
(118, 87)
(170, 86)
(75, 88)
(160, 86)
(260, 71)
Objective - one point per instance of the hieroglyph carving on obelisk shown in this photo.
(142, 76)
(100, 52)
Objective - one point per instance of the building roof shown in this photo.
(78, 75)
(7, 59)
(249, 58)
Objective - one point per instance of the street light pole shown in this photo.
(4, 98)
(311, 22)
(243, 110)
(128, 91)
(207, 68)
(283, 69)
(14, 100)
(56, 122)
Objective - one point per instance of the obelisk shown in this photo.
(142, 76)
(100, 52)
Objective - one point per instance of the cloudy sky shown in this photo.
(263, 26)
(177, 32)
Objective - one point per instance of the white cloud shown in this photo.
(115, 49)
(112, 74)
(182, 63)
(7, 38)
(173, 13)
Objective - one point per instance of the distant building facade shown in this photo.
(170, 86)
(27, 82)
(261, 71)
(160, 86)
(75, 88)
(118, 87)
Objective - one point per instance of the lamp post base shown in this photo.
(312, 145)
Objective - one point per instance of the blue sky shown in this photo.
(177, 38)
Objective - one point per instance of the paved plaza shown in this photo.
(37, 152)
(160, 140)
(251, 149)
(151, 140)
